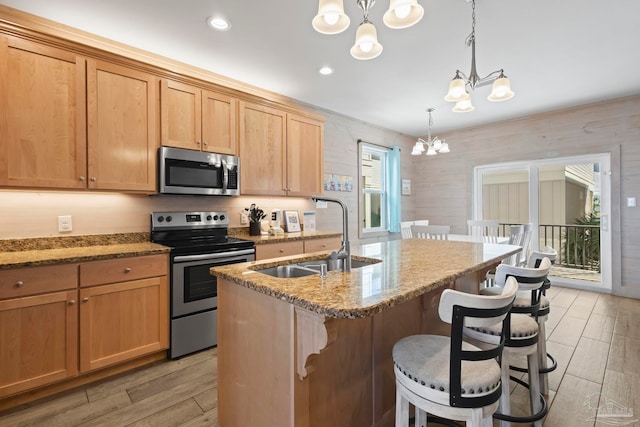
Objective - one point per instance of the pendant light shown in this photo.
(331, 19)
(434, 146)
(458, 93)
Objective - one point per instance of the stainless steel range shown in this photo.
(198, 241)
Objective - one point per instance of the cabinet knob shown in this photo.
(127, 270)
(93, 179)
(281, 251)
(19, 283)
(205, 143)
(85, 299)
(72, 302)
(197, 142)
(82, 178)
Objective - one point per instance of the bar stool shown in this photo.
(448, 377)
(523, 340)
(523, 304)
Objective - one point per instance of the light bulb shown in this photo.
(331, 18)
(366, 46)
(402, 12)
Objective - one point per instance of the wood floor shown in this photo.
(595, 338)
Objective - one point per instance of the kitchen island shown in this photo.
(314, 351)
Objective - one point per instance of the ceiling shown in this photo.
(557, 53)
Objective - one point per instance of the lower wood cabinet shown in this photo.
(38, 333)
(122, 321)
(324, 244)
(58, 322)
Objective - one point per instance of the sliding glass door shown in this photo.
(568, 202)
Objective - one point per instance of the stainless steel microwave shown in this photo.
(182, 171)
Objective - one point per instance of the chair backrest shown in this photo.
(526, 243)
(529, 278)
(516, 236)
(436, 232)
(405, 229)
(487, 229)
(471, 310)
(421, 222)
(535, 258)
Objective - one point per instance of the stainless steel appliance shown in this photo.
(198, 241)
(183, 171)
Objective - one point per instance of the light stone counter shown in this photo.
(409, 268)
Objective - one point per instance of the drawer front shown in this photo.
(37, 280)
(275, 250)
(123, 269)
(326, 244)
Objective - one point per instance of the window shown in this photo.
(373, 186)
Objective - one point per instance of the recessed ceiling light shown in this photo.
(219, 23)
(326, 70)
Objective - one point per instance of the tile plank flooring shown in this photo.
(594, 337)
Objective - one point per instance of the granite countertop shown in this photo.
(409, 268)
(243, 233)
(16, 253)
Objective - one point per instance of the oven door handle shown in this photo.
(185, 258)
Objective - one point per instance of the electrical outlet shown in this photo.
(244, 218)
(64, 224)
(631, 202)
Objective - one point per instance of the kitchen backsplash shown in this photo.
(35, 213)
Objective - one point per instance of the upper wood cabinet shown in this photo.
(52, 138)
(281, 153)
(198, 119)
(122, 127)
(42, 116)
(262, 150)
(304, 156)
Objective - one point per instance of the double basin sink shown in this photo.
(308, 268)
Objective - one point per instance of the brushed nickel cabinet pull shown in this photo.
(72, 302)
(93, 178)
(127, 270)
(85, 299)
(82, 178)
(19, 283)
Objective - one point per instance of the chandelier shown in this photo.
(434, 146)
(331, 19)
(500, 91)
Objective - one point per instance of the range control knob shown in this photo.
(160, 218)
(169, 218)
(215, 217)
(208, 217)
(221, 217)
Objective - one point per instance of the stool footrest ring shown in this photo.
(525, 419)
(554, 365)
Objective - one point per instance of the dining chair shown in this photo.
(435, 232)
(421, 222)
(447, 377)
(526, 243)
(485, 228)
(405, 229)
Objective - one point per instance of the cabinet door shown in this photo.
(39, 341)
(304, 156)
(181, 115)
(122, 119)
(262, 150)
(219, 123)
(42, 116)
(122, 321)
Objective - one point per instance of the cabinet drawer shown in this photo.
(326, 244)
(275, 250)
(37, 280)
(123, 269)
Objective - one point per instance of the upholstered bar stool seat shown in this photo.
(446, 376)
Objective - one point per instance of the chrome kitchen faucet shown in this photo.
(345, 250)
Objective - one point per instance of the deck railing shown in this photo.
(578, 246)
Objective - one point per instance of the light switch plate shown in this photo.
(64, 224)
(631, 202)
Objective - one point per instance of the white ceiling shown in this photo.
(557, 53)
